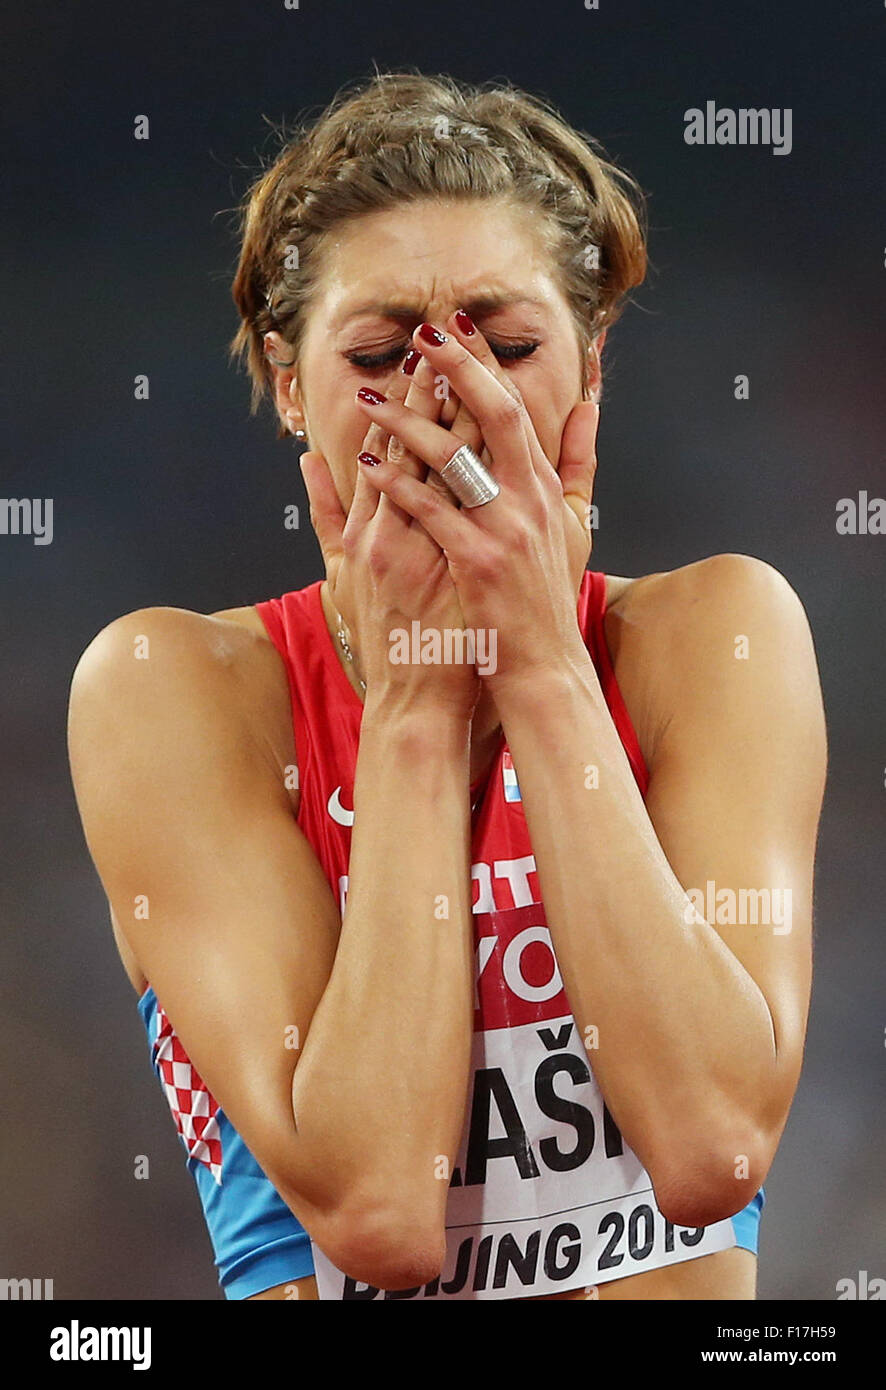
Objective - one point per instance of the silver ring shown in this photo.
(469, 478)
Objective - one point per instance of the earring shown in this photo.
(291, 417)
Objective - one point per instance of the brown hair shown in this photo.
(400, 137)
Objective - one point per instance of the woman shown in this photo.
(408, 867)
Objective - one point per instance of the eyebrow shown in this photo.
(476, 304)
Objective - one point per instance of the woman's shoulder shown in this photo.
(246, 618)
(704, 590)
(181, 666)
(192, 647)
(662, 629)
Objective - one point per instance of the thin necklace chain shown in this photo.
(342, 636)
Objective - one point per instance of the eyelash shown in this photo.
(511, 352)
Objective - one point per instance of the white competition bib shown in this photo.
(545, 1195)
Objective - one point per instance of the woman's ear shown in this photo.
(296, 419)
(287, 398)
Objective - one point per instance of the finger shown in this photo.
(327, 514)
(388, 446)
(443, 522)
(462, 327)
(428, 440)
(454, 410)
(500, 414)
(416, 387)
(457, 417)
(577, 463)
(450, 409)
(426, 398)
(430, 395)
(378, 442)
(365, 501)
(453, 413)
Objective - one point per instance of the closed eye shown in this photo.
(508, 352)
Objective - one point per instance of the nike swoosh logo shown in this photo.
(340, 814)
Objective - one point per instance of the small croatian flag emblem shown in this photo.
(509, 777)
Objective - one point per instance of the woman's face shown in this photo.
(387, 272)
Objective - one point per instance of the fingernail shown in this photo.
(432, 335)
(411, 361)
(465, 323)
(371, 397)
(369, 459)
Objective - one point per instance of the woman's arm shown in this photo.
(230, 917)
(699, 1024)
(381, 1088)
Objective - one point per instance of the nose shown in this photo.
(440, 310)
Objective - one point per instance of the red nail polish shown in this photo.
(371, 397)
(432, 335)
(369, 459)
(411, 361)
(465, 323)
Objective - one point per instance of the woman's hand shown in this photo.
(457, 417)
(383, 570)
(517, 561)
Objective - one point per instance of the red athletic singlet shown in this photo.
(545, 1194)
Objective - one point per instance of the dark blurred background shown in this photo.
(118, 261)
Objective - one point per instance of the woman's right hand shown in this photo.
(383, 570)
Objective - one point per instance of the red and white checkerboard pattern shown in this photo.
(193, 1108)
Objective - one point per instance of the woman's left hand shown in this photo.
(517, 561)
